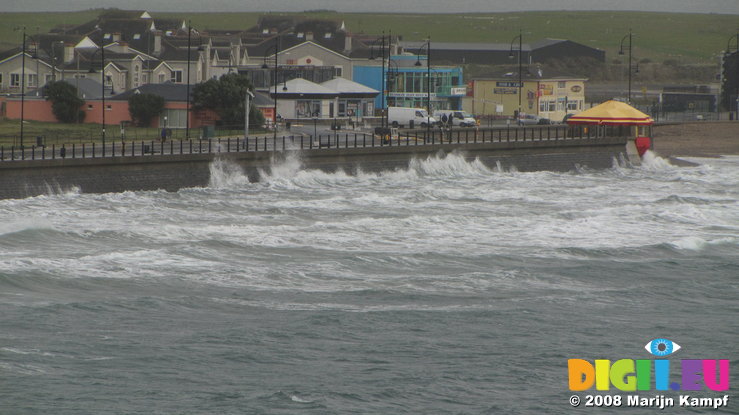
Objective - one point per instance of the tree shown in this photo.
(144, 107)
(65, 104)
(226, 97)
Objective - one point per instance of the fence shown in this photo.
(310, 142)
(46, 137)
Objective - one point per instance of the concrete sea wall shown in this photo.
(20, 179)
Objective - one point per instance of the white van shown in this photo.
(455, 118)
(409, 117)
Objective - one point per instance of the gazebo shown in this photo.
(618, 118)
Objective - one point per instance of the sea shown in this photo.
(446, 287)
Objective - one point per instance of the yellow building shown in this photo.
(547, 97)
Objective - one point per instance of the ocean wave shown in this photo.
(695, 243)
(650, 161)
(226, 174)
(20, 225)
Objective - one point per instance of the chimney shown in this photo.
(308, 36)
(68, 52)
(157, 42)
(124, 47)
(116, 37)
(348, 42)
(235, 52)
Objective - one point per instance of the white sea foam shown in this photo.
(226, 174)
(20, 224)
(653, 162)
(295, 398)
(305, 229)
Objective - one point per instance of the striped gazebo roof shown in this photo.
(611, 113)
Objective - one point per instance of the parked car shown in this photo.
(530, 119)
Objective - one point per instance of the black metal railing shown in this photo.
(334, 140)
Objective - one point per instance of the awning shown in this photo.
(611, 113)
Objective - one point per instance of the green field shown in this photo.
(684, 38)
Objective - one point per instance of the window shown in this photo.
(137, 36)
(561, 104)
(547, 106)
(561, 84)
(1, 80)
(175, 118)
(47, 79)
(15, 79)
(572, 105)
(308, 108)
(32, 79)
(177, 77)
(161, 78)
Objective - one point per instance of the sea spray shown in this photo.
(226, 174)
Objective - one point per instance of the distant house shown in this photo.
(467, 53)
(688, 99)
(546, 50)
(300, 98)
(548, 95)
(504, 53)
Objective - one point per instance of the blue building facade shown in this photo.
(406, 80)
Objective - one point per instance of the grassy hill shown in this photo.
(659, 37)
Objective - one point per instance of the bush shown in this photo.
(226, 97)
(144, 107)
(65, 104)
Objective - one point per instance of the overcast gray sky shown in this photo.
(402, 6)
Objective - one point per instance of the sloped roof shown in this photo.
(546, 42)
(345, 86)
(167, 90)
(611, 113)
(304, 87)
(89, 88)
(411, 46)
(262, 99)
(124, 14)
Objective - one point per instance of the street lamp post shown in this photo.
(427, 45)
(276, 47)
(54, 59)
(736, 80)
(102, 79)
(621, 52)
(187, 116)
(23, 78)
(189, 64)
(382, 78)
(247, 107)
(392, 75)
(520, 69)
(23, 82)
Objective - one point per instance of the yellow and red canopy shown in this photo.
(611, 113)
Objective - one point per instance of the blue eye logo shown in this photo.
(662, 347)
